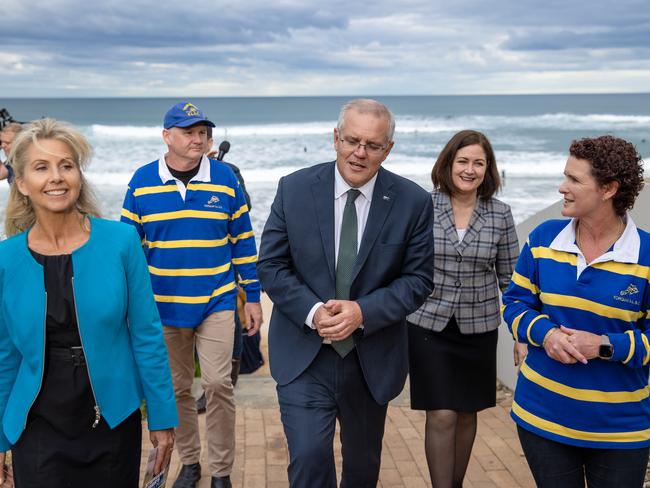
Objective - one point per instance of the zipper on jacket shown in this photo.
(40, 385)
(98, 413)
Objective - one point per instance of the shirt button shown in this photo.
(459, 259)
(458, 283)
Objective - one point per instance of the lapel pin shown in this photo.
(386, 198)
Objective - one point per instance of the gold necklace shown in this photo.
(619, 233)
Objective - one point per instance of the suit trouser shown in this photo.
(332, 387)
(214, 345)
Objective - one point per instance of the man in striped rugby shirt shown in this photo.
(192, 216)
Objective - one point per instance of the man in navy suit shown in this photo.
(346, 254)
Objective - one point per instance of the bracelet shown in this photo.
(549, 334)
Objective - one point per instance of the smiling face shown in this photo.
(583, 196)
(51, 178)
(468, 169)
(356, 165)
(186, 145)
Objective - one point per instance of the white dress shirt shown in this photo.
(362, 204)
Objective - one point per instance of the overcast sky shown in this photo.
(289, 47)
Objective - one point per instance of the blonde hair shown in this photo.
(14, 127)
(20, 214)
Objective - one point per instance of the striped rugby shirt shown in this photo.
(605, 403)
(194, 245)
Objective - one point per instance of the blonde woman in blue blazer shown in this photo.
(81, 342)
(453, 336)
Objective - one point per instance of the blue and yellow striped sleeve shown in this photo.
(631, 347)
(244, 250)
(130, 213)
(522, 305)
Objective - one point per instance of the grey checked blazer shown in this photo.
(467, 275)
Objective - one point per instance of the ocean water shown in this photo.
(271, 137)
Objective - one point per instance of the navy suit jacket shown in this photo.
(392, 276)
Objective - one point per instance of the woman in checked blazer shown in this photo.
(453, 336)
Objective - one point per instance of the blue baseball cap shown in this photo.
(185, 114)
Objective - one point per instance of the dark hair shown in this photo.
(209, 131)
(441, 172)
(613, 159)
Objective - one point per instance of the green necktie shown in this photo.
(345, 262)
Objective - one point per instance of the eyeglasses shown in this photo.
(352, 144)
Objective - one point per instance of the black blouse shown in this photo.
(61, 321)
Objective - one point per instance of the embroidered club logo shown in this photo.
(626, 295)
(191, 110)
(630, 290)
(213, 202)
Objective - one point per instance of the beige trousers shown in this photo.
(214, 344)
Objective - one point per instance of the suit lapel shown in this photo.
(445, 215)
(323, 193)
(382, 202)
(476, 223)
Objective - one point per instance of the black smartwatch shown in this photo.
(605, 350)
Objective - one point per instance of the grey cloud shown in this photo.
(149, 24)
(608, 39)
(259, 47)
(551, 13)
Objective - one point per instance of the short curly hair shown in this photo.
(613, 159)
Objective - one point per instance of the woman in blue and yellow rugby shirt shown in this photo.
(579, 297)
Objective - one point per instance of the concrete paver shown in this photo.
(261, 454)
(261, 458)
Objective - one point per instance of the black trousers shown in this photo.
(332, 387)
(59, 447)
(557, 465)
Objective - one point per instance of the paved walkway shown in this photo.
(261, 459)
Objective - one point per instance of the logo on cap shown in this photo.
(191, 110)
(185, 114)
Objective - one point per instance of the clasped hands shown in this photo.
(569, 346)
(337, 319)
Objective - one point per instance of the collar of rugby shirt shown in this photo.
(625, 250)
(202, 175)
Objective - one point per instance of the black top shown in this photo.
(61, 321)
(184, 176)
(65, 404)
(10, 173)
(240, 178)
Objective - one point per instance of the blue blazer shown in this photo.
(118, 322)
(391, 278)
